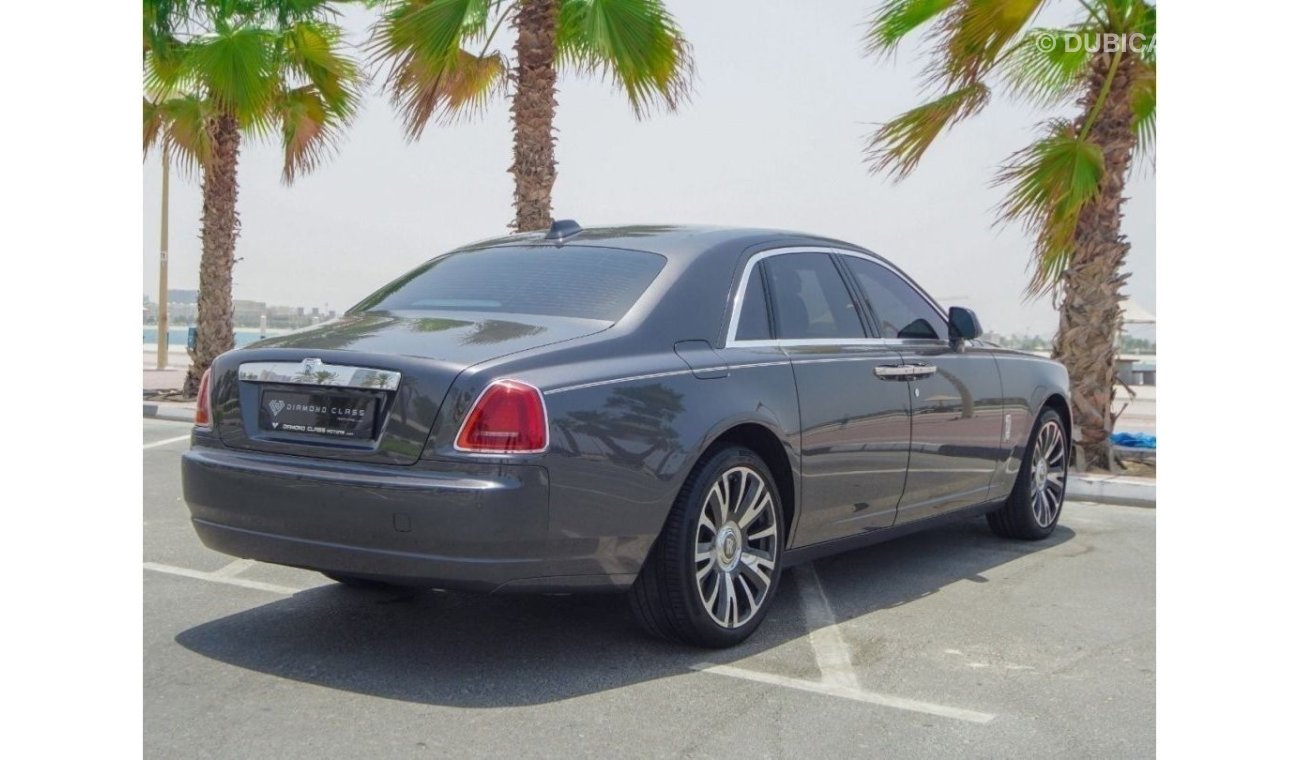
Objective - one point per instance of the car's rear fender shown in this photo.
(621, 451)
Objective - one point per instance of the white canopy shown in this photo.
(1135, 314)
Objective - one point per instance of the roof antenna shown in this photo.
(563, 228)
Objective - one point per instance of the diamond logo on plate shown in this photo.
(276, 406)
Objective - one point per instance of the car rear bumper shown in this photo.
(482, 527)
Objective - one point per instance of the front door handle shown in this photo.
(893, 372)
(904, 371)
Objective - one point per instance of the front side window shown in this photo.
(573, 281)
(901, 311)
(809, 298)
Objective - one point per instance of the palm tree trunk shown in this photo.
(217, 263)
(533, 110)
(1090, 314)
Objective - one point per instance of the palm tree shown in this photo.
(441, 64)
(217, 69)
(1067, 188)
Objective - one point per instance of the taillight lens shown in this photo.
(203, 411)
(508, 418)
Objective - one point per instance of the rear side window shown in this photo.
(900, 309)
(753, 323)
(810, 299)
(574, 281)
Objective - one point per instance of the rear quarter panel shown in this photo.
(624, 434)
(1027, 383)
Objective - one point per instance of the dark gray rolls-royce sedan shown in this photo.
(678, 412)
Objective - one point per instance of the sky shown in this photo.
(773, 137)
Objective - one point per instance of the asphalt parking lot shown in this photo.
(942, 644)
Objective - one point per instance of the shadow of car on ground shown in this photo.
(476, 651)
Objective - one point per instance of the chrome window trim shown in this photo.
(733, 323)
(806, 342)
(296, 373)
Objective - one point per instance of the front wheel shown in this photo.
(1034, 506)
(711, 576)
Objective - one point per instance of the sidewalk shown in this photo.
(165, 379)
(1111, 489)
(168, 379)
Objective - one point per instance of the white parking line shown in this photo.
(845, 692)
(835, 661)
(234, 568)
(185, 572)
(166, 441)
(834, 658)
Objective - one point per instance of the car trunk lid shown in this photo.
(366, 387)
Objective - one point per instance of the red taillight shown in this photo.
(508, 418)
(203, 411)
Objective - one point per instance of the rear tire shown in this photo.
(1034, 506)
(710, 578)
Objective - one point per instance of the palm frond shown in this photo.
(897, 146)
(163, 19)
(308, 128)
(972, 36)
(477, 16)
(1144, 23)
(238, 70)
(1043, 69)
(898, 18)
(635, 43)
(1050, 182)
(153, 124)
(1143, 102)
(165, 71)
(428, 73)
(314, 52)
(290, 12)
(450, 92)
(179, 126)
(429, 28)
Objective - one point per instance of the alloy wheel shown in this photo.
(1048, 474)
(735, 547)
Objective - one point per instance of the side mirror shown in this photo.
(963, 324)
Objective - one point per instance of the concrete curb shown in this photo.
(1113, 489)
(165, 411)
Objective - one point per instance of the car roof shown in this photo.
(670, 240)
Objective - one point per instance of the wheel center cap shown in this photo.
(727, 545)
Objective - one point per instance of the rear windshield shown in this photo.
(587, 283)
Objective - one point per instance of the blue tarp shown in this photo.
(1134, 440)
